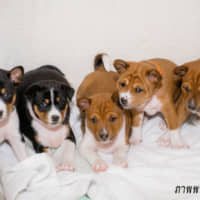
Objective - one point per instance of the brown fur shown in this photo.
(147, 77)
(41, 115)
(64, 111)
(97, 90)
(10, 106)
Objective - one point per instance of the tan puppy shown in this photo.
(189, 101)
(149, 87)
(105, 125)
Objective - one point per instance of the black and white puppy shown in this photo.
(9, 122)
(44, 109)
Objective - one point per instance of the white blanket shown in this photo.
(154, 172)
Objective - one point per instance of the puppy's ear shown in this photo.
(121, 66)
(68, 90)
(154, 76)
(84, 103)
(181, 71)
(16, 74)
(30, 91)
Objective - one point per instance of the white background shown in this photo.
(68, 33)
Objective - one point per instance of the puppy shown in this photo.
(105, 125)
(9, 122)
(188, 105)
(150, 87)
(43, 109)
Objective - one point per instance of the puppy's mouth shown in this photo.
(125, 103)
(52, 124)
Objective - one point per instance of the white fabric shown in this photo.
(153, 172)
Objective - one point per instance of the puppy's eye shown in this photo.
(94, 120)
(112, 119)
(187, 89)
(123, 84)
(6, 95)
(138, 90)
(44, 104)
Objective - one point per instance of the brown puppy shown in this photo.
(189, 101)
(149, 87)
(106, 126)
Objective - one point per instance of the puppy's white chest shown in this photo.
(50, 137)
(153, 106)
(9, 128)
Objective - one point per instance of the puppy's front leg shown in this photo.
(120, 156)
(173, 138)
(67, 156)
(182, 110)
(18, 146)
(67, 152)
(88, 150)
(136, 136)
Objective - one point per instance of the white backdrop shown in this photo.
(68, 33)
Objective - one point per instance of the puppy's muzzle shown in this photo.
(124, 101)
(103, 136)
(192, 107)
(55, 118)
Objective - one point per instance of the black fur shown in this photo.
(34, 82)
(98, 62)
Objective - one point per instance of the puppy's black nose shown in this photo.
(103, 135)
(123, 101)
(191, 105)
(55, 118)
(1, 113)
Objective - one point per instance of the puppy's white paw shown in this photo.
(164, 140)
(162, 125)
(65, 167)
(136, 136)
(177, 142)
(179, 145)
(121, 162)
(135, 141)
(100, 166)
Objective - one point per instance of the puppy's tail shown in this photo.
(102, 62)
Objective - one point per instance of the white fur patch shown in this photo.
(3, 108)
(50, 137)
(9, 130)
(128, 97)
(153, 106)
(54, 111)
(177, 140)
